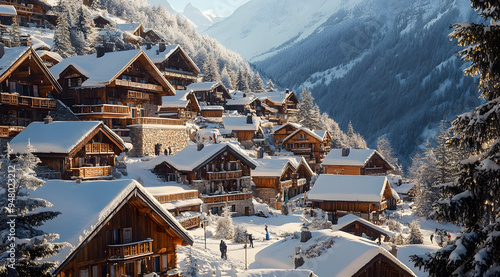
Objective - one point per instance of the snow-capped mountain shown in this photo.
(198, 18)
(386, 65)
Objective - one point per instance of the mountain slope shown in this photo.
(387, 66)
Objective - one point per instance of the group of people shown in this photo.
(223, 245)
(442, 237)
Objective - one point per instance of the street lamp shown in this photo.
(246, 249)
(204, 223)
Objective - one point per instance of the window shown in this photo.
(84, 272)
(215, 210)
(112, 270)
(104, 270)
(116, 236)
(164, 262)
(95, 270)
(129, 269)
(127, 235)
(302, 136)
(156, 264)
(233, 208)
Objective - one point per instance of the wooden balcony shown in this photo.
(102, 109)
(301, 150)
(10, 131)
(285, 184)
(21, 9)
(130, 84)
(226, 197)
(178, 74)
(28, 101)
(191, 222)
(126, 251)
(91, 172)
(298, 182)
(373, 171)
(137, 95)
(98, 148)
(222, 175)
(176, 196)
(382, 206)
(154, 121)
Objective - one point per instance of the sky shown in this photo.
(222, 8)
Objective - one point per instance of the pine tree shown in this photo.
(258, 85)
(210, 69)
(474, 199)
(62, 41)
(192, 270)
(242, 84)
(31, 244)
(416, 236)
(226, 78)
(384, 147)
(270, 85)
(447, 157)
(225, 227)
(15, 34)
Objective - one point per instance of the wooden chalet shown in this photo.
(212, 111)
(220, 172)
(183, 105)
(114, 228)
(101, 21)
(133, 33)
(49, 58)
(27, 88)
(27, 11)
(277, 106)
(360, 227)
(184, 204)
(312, 145)
(348, 161)
(240, 102)
(76, 149)
(210, 93)
(174, 63)
(8, 14)
(120, 88)
(280, 132)
(151, 36)
(365, 195)
(245, 128)
(278, 179)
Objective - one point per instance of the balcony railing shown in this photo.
(137, 95)
(299, 182)
(179, 74)
(130, 84)
(226, 197)
(102, 109)
(30, 101)
(382, 206)
(91, 172)
(154, 120)
(301, 150)
(129, 250)
(373, 171)
(10, 131)
(30, 9)
(285, 184)
(98, 148)
(224, 175)
(190, 222)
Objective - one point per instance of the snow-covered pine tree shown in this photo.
(81, 34)
(239, 234)
(416, 236)
(31, 244)
(210, 69)
(474, 199)
(192, 269)
(226, 78)
(242, 83)
(447, 157)
(258, 84)
(15, 34)
(270, 85)
(384, 147)
(62, 41)
(225, 227)
(308, 115)
(423, 172)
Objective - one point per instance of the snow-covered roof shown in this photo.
(404, 188)
(332, 261)
(56, 137)
(7, 10)
(239, 123)
(10, 56)
(308, 131)
(239, 98)
(271, 166)
(356, 157)
(83, 210)
(211, 108)
(158, 57)
(350, 218)
(358, 188)
(51, 54)
(276, 273)
(279, 127)
(206, 133)
(167, 190)
(37, 43)
(275, 96)
(172, 205)
(128, 27)
(203, 86)
(180, 99)
(190, 159)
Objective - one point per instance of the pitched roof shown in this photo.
(356, 157)
(279, 127)
(190, 159)
(277, 97)
(203, 86)
(348, 188)
(128, 27)
(180, 99)
(57, 137)
(239, 98)
(272, 166)
(51, 54)
(10, 56)
(84, 212)
(308, 131)
(8, 10)
(103, 70)
(350, 218)
(158, 57)
(239, 123)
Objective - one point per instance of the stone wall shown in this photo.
(267, 195)
(145, 138)
(240, 206)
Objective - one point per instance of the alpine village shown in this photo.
(133, 146)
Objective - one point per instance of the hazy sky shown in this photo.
(221, 7)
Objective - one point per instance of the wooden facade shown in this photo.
(375, 164)
(214, 94)
(187, 108)
(304, 142)
(135, 91)
(27, 88)
(381, 265)
(284, 131)
(30, 11)
(190, 222)
(360, 228)
(135, 240)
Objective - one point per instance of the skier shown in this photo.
(267, 233)
(223, 250)
(250, 239)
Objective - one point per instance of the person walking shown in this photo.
(251, 240)
(223, 250)
(267, 233)
(432, 236)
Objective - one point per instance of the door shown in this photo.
(247, 211)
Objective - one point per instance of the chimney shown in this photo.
(394, 250)
(148, 44)
(100, 50)
(345, 152)
(249, 119)
(199, 146)
(162, 46)
(2, 50)
(244, 95)
(48, 119)
(260, 153)
(110, 47)
(287, 91)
